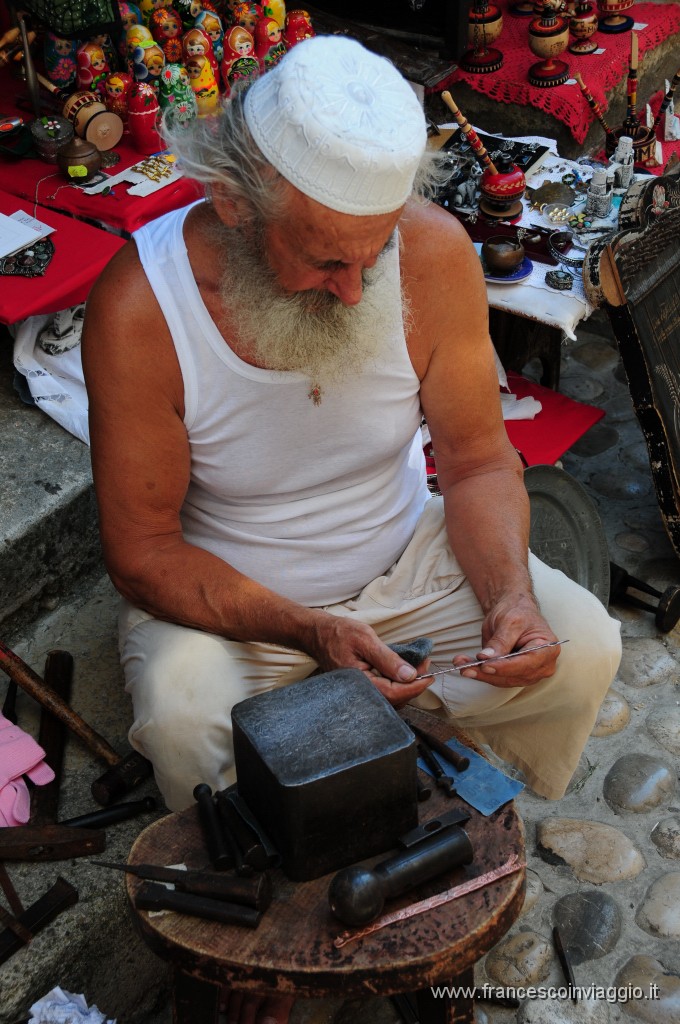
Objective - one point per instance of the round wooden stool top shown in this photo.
(292, 950)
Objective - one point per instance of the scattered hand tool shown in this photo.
(256, 849)
(357, 894)
(424, 791)
(459, 762)
(124, 773)
(565, 963)
(10, 920)
(485, 661)
(9, 707)
(38, 915)
(157, 897)
(220, 856)
(443, 781)
(510, 867)
(74, 837)
(250, 892)
(44, 838)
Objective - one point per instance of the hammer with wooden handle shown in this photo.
(124, 773)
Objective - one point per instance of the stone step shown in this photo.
(49, 538)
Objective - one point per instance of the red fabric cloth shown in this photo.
(601, 72)
(667, 148)
(68, 277)
(559, 424)
(541, 441)
(120, 212)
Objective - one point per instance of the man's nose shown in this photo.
(346, 284)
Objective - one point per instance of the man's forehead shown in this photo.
(327, 234)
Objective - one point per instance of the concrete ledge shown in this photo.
(48, 532)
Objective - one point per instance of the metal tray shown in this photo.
(566, 531)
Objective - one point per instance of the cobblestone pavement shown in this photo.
(604, 862)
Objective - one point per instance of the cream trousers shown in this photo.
(184, 682)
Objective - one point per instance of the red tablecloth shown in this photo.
(38, 181)
(559, 424)
(601, 72)
(81, 253)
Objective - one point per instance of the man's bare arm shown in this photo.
(479, 472)
(141, 463)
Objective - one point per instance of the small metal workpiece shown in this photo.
(444, 781)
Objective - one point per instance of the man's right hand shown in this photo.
(340, 642)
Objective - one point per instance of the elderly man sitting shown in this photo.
(258, 365)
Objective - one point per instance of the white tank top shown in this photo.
(312, 501)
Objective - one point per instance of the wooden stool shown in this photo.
(292, 950)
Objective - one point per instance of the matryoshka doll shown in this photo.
(298, 27)
(241, 70)
(60, 60)
(105, 42)
(117, 85)
(269, 44)
(130, 15)
(203, 84)
(247, 14)
(147, 7)
(166, 29)
(92, 67)
(147, 63)
(275, 9)
(188, 10)
(136, 35)
(212, 26)
(144, 115)
(175, 95)
(195, 43)
(238, 42)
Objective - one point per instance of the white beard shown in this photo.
(310, 332)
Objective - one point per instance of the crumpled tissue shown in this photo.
(59, 1007)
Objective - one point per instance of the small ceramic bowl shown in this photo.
(502, 254)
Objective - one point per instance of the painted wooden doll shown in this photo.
(175, 95)
(147, 7)
(269, 44)
(212, 26)
(147, 63)
(117, 85)
(241, 70)
(106, 43)
(166, 28)
(144, 118)
(298, 27)
(136, 35)
(60, 60)
(130, 15)
(204, 85)
(247, 14)
(196, 43)
(238, 44)
(188, 10)
(92, 67)
(275, 9)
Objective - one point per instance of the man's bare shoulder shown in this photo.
(121, 292)
(432, 234)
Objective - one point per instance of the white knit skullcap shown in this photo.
(341, 124)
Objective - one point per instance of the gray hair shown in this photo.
(219, 150)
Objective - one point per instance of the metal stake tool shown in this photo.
(510, 867)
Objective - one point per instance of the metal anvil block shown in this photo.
(329, 769)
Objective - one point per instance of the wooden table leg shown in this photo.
(448, 1009)
(194, 1001)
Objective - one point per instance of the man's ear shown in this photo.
(231, 211)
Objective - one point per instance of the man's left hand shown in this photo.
(513, 624)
